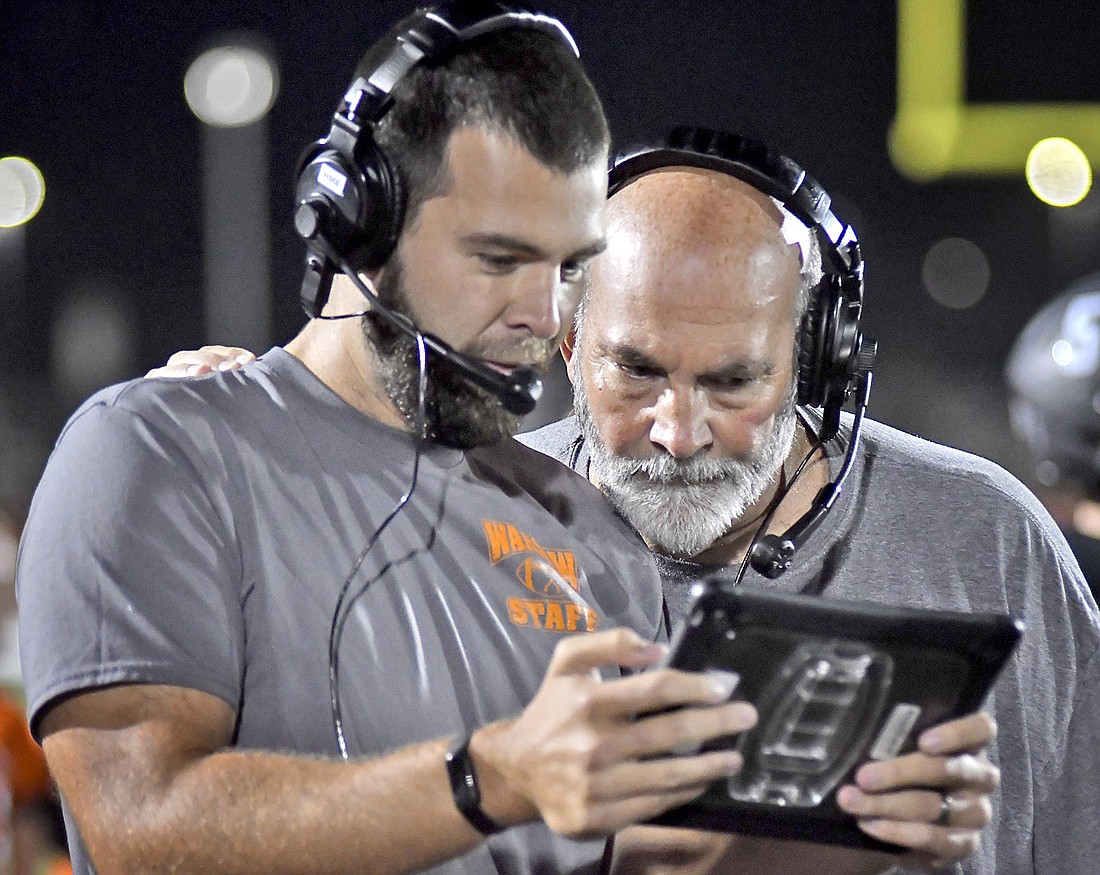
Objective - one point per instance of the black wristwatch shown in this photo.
(464, 789)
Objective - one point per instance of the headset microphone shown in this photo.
(518, 390)
(772, 554)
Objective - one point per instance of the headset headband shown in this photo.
(752, 162)
(431, 35)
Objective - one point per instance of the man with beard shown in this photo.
(684, 361)
(287, 620)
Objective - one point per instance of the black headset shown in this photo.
(350, 197)
(832, 354)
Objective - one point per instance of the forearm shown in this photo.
(153, 784)
(245, 812)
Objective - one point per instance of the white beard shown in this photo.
(682, 506)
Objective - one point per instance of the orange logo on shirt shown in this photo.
(551, 576)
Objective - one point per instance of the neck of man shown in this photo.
(730, 549)
(338, 354)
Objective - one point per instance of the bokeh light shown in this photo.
(22, 191)
(231, 86)
(1058, 172)
(955, 273)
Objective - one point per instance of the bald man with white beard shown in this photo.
(683, 363)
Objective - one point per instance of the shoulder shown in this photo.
(187, 411)
(168, 398)
(968, 511)
(944, 473)
(577, 504)
(513, 464)
(128, 436)
(192, 434)
(959, 532)
(556, 440)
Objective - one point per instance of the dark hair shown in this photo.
(525, 83)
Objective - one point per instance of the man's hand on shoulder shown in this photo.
(196, 362)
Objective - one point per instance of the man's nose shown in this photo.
(537, 304)
(680, 422)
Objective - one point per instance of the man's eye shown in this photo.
(573, 271)
(730, 384)
(640, 372)
(497, 263)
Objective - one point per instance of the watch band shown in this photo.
(464, 789)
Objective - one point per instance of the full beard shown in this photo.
(683, 506)
(456, 412)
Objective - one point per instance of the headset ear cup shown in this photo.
(329, 187)
(357, 204)
(831, 353)
(811, 351)
(383, 214)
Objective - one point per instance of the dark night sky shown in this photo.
(91, 92)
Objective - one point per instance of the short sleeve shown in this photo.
(127, 570)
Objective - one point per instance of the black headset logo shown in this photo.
(832, 352)
(350, 198)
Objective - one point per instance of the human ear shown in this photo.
(567, 352)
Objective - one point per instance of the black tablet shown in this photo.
(836, 683)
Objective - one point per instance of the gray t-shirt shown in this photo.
(199, 533)
(922, 525)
